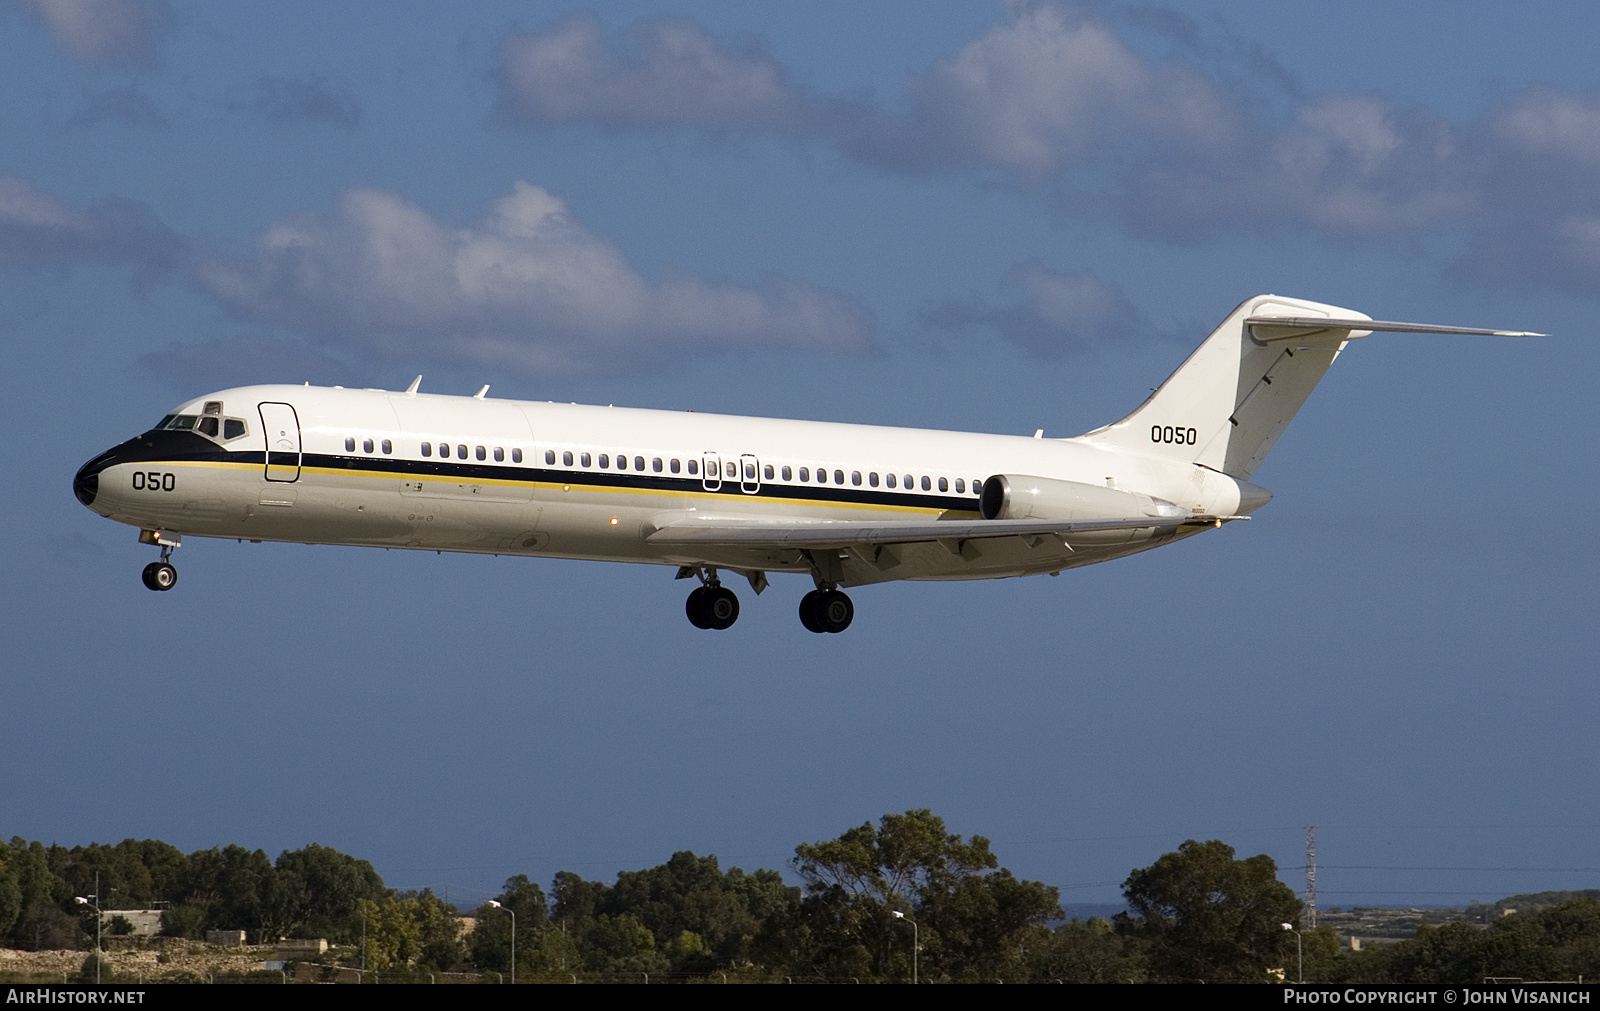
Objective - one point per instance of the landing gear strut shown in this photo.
(826, 611)
(161, 575)
(712, 605)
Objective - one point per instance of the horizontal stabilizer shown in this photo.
(1302, 323)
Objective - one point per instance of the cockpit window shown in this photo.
(208, 426)
(183, 423)
(164, 422)
(232, 428)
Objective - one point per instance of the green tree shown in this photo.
(1210, 917)
(973, 920)
(1087, 951)
(318, 892)
(10, 894)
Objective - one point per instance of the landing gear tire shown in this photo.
(808, 612)
(826, 611)
(695, 607)
(160, 576)
(722, 608)
(713, 607)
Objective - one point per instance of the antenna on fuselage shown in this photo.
(411, 390)
(480, 393)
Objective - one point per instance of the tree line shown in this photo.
(880, 902)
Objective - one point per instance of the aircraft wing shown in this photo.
(827, 534)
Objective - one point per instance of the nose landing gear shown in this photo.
(160, 575)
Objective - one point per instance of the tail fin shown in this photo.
(1226, 406)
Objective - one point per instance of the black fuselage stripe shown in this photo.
(147, 450)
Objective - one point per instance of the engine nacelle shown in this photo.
(1021, 497)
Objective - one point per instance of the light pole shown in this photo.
(83, 900)
(513, 913)
(1299, 951)
(914, 945)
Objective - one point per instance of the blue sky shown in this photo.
(972, 216)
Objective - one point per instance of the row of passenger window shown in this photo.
(731, 471)
(479, 452)
(462, 452)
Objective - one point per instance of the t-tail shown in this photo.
(1225, 407)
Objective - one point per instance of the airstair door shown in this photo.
(282, 429)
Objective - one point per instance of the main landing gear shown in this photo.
(712, 605)
(826, 611)
(160, 575)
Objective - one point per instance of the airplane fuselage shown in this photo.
(443, 473)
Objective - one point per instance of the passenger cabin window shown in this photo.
(731, 469)
(944, 485)
(889, 480)
(638, 463)
(926, 484)
(461, 451)
(605, 461)
(516, 456)
(549, 456)
(386, 446)
(855, 478)
(694, 466)
(961, 487)
(583, 461)
(766, 472)
(788, 475)
(427, 449)
(872, 479)
(749, 472)
(499, 454)
(655, 465)
(822, 476)
(366, 445)
(676, 466)
(805, 473)
(481, 454)
(838, 477)
(349, 445)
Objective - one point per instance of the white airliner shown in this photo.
(845, 504)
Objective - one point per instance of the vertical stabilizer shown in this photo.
(1229, 402)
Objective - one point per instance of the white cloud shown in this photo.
(37, 230)
(1058, 313)
(526, 288)
(309, 98)
(106, 31)
(659, 73)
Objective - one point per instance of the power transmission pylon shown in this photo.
(1311, 877)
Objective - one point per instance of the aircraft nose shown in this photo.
(87, 484)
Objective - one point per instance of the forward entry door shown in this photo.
(282, 429)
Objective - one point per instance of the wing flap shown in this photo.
(739, 533)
